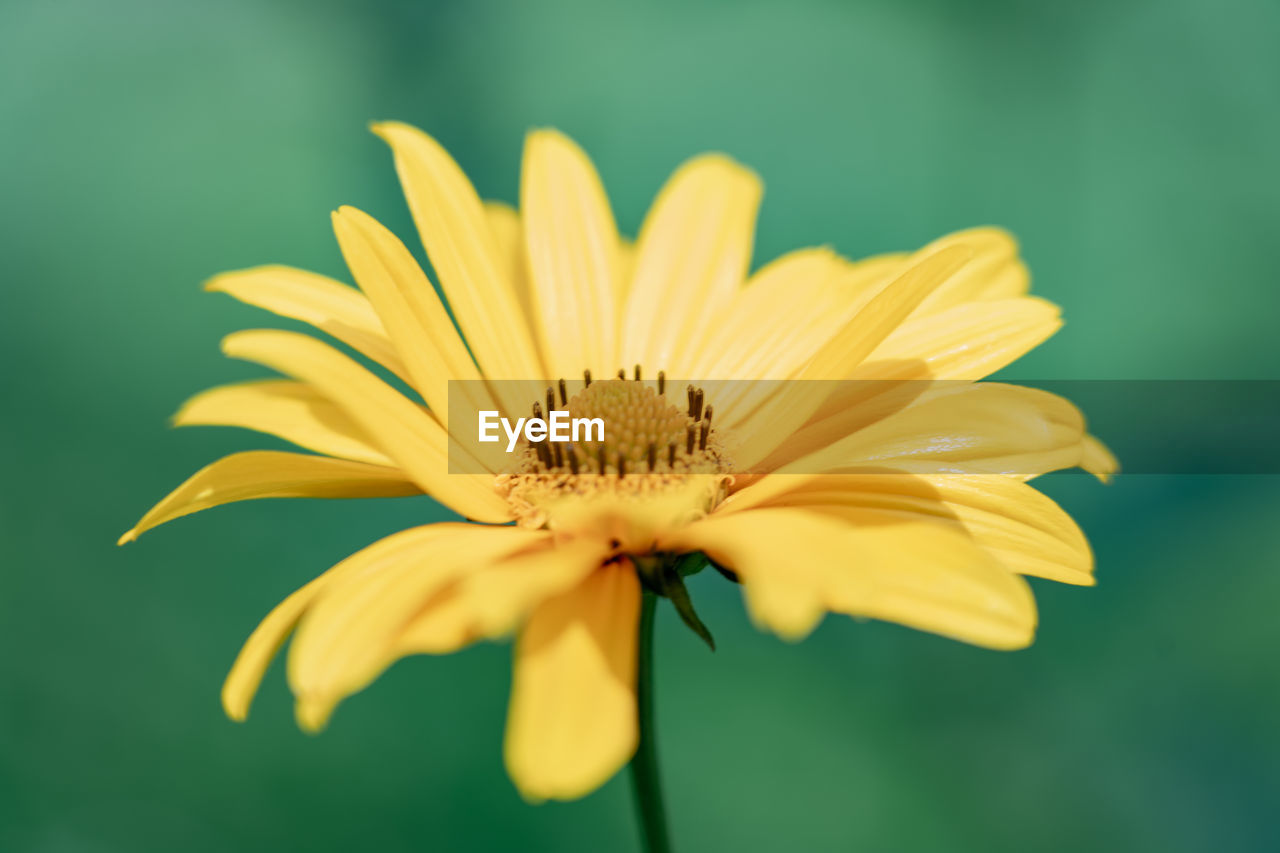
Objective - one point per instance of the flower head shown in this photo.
(819, 377)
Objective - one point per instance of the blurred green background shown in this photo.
(146, 145)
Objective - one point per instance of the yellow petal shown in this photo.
(851, 407)
(968, 341)
(431, 589)
(865, 278)
(626, 270)
(409, 307)
(884, 313)
(246, 674)
(787, 310)
(501, 593)
(273, 474)
(573, 256)
(632, 521)
(349, 636)
(508, 236)
(452, 224)
(242, 682)
(1018, 525)
(410, 436)
(692, 256)
(445, 624)
(1023, 528)
(572, 718)
(290, 410)
(489, 600)
(783, 573)
(420, 328)
(794, 402)
(995, 273)
(1098, 460)
(794, 564)
(988, 428)
(330, 306)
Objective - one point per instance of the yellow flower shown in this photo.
(553, 291)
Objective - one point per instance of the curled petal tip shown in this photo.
(312, 714)
(386, 130)
(235, 700)
(1098, 460)
(548, 136)
(541, 133)
(236, 712)
(230, 345)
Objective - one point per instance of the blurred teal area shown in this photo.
(147, 145)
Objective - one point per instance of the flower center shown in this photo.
(656, 442)
(644, 431)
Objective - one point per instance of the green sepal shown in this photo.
(690, 564)
(664, 574)
(674, 589)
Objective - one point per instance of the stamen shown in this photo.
(572, 453)
(551, 401)
(671, 454)
(697, 405)
(564, 394)
(662, 382)
(653, 456)
(537, 410)
(688, 439)
(560, 453)
(702, 439)
(586, 378)
(622, 373)
(603, 461)
(622, 465)
(707, 416)
(637, 373)
(689, 390)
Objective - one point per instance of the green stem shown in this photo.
(646, 783)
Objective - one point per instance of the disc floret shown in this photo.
(655, 442)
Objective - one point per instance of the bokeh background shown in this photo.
(145, 145)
